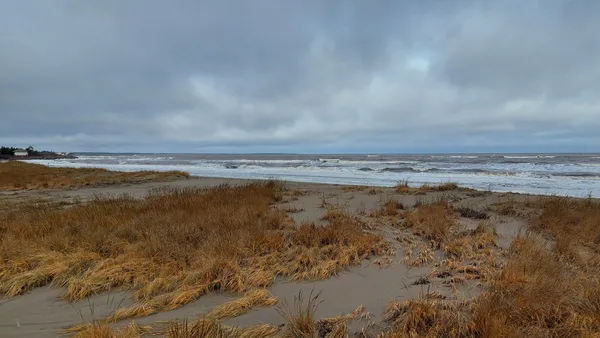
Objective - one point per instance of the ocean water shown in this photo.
(557, 174)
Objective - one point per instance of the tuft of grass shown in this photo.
(17, 175)
(374, 191)
(427, 317)
(337, 327)
(472, 213)
(252, 299)
(391, 207)
(204, 327)
(300, 319)
(103, 330)
(432, 221)
(353, 188)
(405, 188)
(471, 245)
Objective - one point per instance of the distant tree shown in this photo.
(7, 151)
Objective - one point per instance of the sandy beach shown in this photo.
(299, 169)
(372, 284)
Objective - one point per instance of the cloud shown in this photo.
(300, 76)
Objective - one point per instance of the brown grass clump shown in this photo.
(473, 244)
(391, 207)
(432, 221)
(427, 317)
(173, 246)
(353, 188)
(204, 327)
(425, 256)
(374, 191)
(472, 213)
(16, 175)
(234, 308)
(103, 330)
(403, 187)
(300, 319)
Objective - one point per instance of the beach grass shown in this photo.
(405, 188)
(548, 287)
(18, 175)
(173, 246)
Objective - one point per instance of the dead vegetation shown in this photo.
(353, 188)
(472, 213)
(389, 207)
(549, 286)
(103, 330)
(16, 175)
(405, 188)
(300, 318)
(204, 327)
(173, 246)
(301, 321)
(432, 221)
(234, 308)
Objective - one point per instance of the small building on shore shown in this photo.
(21, 152)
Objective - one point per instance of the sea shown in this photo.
(545, 174)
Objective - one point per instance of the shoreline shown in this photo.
(140, 189)
(347, 174)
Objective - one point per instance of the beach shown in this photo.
(373, 283)
(414, 257)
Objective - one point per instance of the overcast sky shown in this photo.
(300, 76)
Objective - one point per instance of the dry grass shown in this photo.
(173, 246)
(16, 175)
(300, 319)
(291, 209)
(549, 287)
(472, 213)
(354, 188)
(391, 207)
(234, 308)
(405, 188)
(204, 327)
(471, 245)
(103, 330)
(432, 221)
(374, 191)
(427, 317)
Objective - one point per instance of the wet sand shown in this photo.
(41, 313)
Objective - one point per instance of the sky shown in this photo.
(300, 76)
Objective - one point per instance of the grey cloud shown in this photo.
(300, 76)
